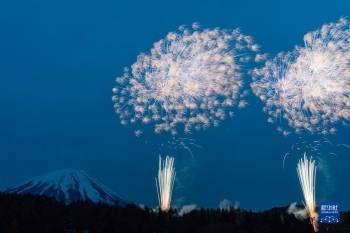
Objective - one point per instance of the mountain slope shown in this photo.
(68, 186)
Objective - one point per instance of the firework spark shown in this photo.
(307, 176)
(165, 182)
(310, 86)
(190, 80)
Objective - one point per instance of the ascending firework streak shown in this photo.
(307, 176)
(165, 182)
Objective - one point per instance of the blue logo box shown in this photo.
(329, 213)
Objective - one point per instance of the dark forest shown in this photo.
(39, 214)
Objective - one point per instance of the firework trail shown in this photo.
(317, 146)
(165, 182)
(310, 86)
(307, 177)
(190, 80)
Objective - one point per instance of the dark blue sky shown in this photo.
(58, 64)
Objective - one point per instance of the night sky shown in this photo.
(59, 60)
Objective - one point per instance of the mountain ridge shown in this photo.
(68, 185)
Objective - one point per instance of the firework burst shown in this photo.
(190, 80)
(307, 177)
(310, 86)
(165, 182)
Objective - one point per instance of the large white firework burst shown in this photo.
(190, 80)
(310, 86)
(307, 177)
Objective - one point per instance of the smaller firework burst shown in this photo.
(165, 182)
(309, 87)
(307, 176)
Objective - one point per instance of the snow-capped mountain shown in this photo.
(68, 186)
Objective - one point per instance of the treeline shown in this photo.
(37, 214)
